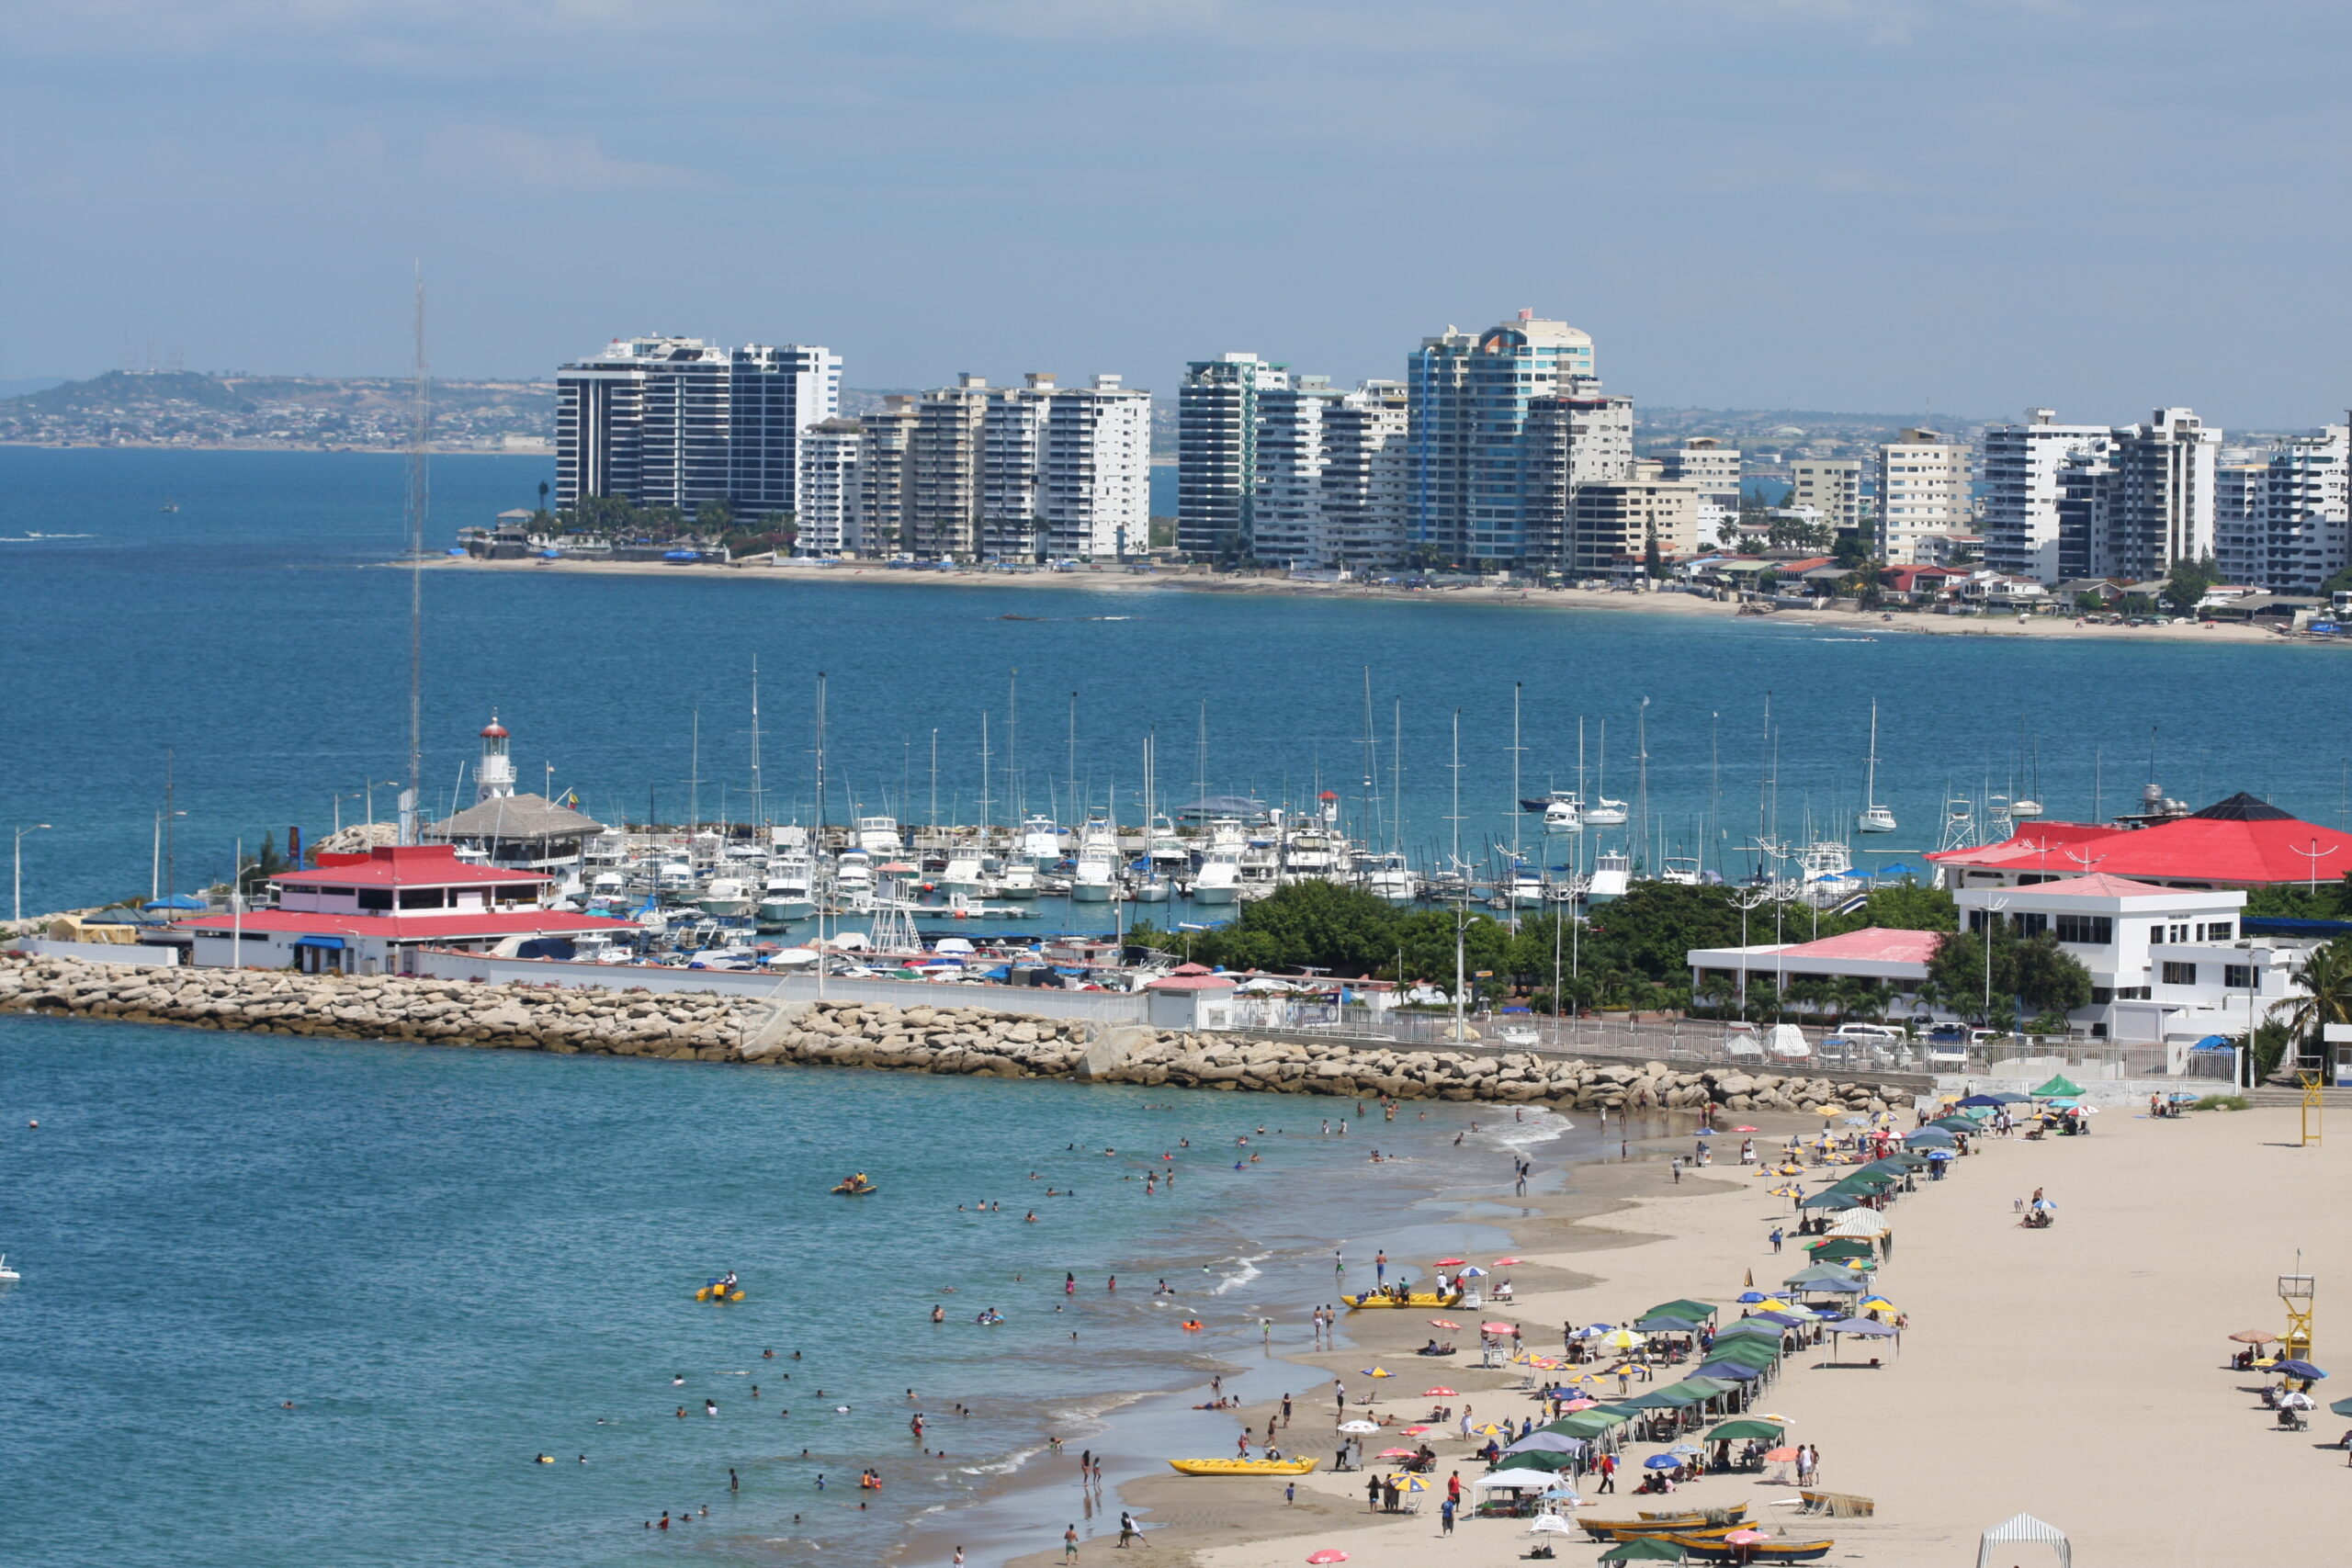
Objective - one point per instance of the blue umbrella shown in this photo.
(1660, 1462)
(1941, 1155)
(1747, 1297)
(2303, 1370)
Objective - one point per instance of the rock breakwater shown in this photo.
(962, 1041)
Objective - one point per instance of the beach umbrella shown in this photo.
(1411, 1484)
(2297, 1401)
(1772, 1303)
(1686, 1448)
(1833, 1111)
(1785, 1192)
(1749, 1297)
(1397, 1453)
(1860, 1223)
(1473, 1272)
(1570, 1408)
(1743, 1128)
(1879, 1303)
(1415, 1431)
(1450, 1262)
(1505, 1262)
(1320, 1558)
(1745, 1538)
(2059, 1084)
(1622, 1339)
(2342, 1408)
(1498, 1329)
(1488, 1430)
(1781, 1455)
(2255, 1336)
(1359, 1428)
(1443, 1323)
(1440, 1392)
(1939, 1155)
(2295, 1368)
(1660, 1462)
(1378, 1372)
(1550, 1524)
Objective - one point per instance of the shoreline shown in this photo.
(1872, 624)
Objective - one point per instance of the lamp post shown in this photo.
(17, 911)
(1993, 907)
(1745, 905)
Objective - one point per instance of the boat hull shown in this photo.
(1708, 1549)
(1420, 1299)
(1241, 1466)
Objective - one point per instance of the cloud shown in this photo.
(510, 158)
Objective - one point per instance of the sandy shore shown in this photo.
(1114, 582)
(2077, 1373)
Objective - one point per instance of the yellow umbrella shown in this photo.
(1488, 1430)
(1878, 1304)
(1775, 1304)
(1784, 1192)
(1832, 1111)
(1378, 1372)
(1789, 1170)
(1622, 1339)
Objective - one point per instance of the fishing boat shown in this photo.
(1678, 1527)
(1219, 880)
(1611, 875)
(725, 897)
(964, 873)
(1041, 841)
(1097, 880)
(789, 892)
(1564, 815)
(1017, 880)
(7, 1276)
(1875, 817)
(1241, 1466)
(1708, 1547)
(1165, 847)
(878, 834)
(1521, 886)
(1308, 855)
(1388, 876)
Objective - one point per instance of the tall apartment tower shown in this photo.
(1575, 442)
(2159, 511)
(2039, 480)
(1713, 469)
(1470, 397)
(1331, 475)
(1095, 496)
(1831, 486)
(2306, 512)
(1217, 453)
(885, 438)
(2240, 552)
(828, 509)
(1012, 467)
(944, 470)
(1923, 491)
(676, 422)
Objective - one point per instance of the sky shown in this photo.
(1956, 206)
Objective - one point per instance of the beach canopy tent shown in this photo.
(1548, 1460)
(1518, 1478)
(2059, 1085)
(1641, 1549)
(1749, 1329)
(1831, 1249)
(1681, 1395)
(1862, 1223)
(1743, 1428)
(1929, 1138)
(2342, 1408)
(1976, 1100)
(1826, 1277)
(1830, 1198)
(1546, 1442)
(1659, 1324)
(1729, 1372)
(2023, 1528)
(1696, 1312)
(1870, 1327)
(1750, 1348)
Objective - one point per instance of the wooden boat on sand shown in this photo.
(1698, 1548)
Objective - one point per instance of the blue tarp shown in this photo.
(333, 942)
(175, 901)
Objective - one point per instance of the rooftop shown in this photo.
(2240, 841)
(401, 865)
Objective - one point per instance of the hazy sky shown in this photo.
(1968, 205)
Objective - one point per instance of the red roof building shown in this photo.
(2238, 842)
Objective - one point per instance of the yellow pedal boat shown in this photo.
(1423, 1298)
(1241, 1466)
(713, 1294)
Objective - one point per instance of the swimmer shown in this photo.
(710, 1407)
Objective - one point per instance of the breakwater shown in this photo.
(965, 1041)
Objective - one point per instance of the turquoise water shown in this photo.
(251, 632)
(450, 1262)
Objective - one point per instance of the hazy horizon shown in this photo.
(1767, 205)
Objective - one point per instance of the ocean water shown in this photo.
(254, 633)
(450, 1262)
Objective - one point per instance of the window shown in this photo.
(2239, 976)
(2156, 933)
(376, 898)
(2180, 974)
(2089, 930)
(2134, 993)
(2216, 931)
(2102, 995)
(2180, 932)
(2031, 924)
(420, 897)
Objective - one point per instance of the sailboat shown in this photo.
(1604, 812)
(1875, 817)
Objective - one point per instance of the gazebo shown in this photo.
(518, 831)
(2024, 1526)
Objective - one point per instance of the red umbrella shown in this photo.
(1576, 1404)
(1396, 1453)
(1415, 1431)
(1443, 1323)
(1780, 1456)
(1437, 1393)
(1498, 1329)
(1505, 1262)
(1450, 1262)
(1745, 1538)
(1743, 1129)
(1322, 1557)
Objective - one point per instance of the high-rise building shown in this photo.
(2281, 523)
(1094, 498)
(1573, 440)
(2239, 545)
(827, 515)
(1830, 486)
(1923, 490)
(1331, 475)
(676, 422)
(886, 437)
(2159, 509)
(1217, 453)
(944, 470)
(1616, 522)
(2034, 472)
(1471, 465)
(1707, 463)
(1013, 469)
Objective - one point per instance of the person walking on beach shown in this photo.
(1372, 1495)
(1454, 1489)
(1445, 1518)
(1380, 1267)
(1070, 1544)
(1776, 1240)
(1607, 1471)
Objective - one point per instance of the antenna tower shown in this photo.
(420, 499)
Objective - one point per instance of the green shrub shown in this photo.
(2220, 1102)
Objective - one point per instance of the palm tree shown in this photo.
(2326, 980)
(1860, 999)
(1812, 992)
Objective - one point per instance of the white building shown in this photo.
(1923, 491)
(828, 515)
(1331, 475)
(2281, 523)
(2159, 506)
(677, 421)
(2032, 474)
(1710, 466)
(1094, 498)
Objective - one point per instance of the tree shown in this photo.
(2328, 901)
(2188, 580)
(2327, 985)
(1907, 907)
(2339, 583)
(1653, 564)
(2033, 970)
(1852, 550)
(254, 871)
(714, 518)
(2090, 601)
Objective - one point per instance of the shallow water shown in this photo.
(452, 1261)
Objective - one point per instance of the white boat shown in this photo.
(1165, 849)
(1150, 887)
(878, 834)
(1875, 817)
(1219, 879)
(1602, 813)
(853, 875)
(675, 876)
(1388, 876)
(1564, 815)
(1260, 868)
(725, 897)
(1521, 886)
(1041, 841)
(1680, 869)
(1017, 880)
(965, 872)
(1611, 875)
(1097, 880)
(1308, 855)
(789, 892)
(2025, 811)
(7, 1276)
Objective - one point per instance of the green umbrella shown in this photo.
(2058, 1085)
(1641, 1549)
(1737, 1432)
(2342, 1408)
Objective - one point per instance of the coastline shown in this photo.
(1852, 621)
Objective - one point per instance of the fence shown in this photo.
(139, 956)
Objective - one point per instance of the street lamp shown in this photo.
(1993, 907)
(18, 900)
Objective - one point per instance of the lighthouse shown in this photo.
(494, 774)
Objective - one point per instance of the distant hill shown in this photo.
(120, 389)
(188, 408)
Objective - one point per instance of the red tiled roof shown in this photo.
(404, 866)
(1877, 945)
(2240, 852)
(411, 928)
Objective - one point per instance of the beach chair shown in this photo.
(1837, 1505)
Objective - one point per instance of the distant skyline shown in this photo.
(1973, 204)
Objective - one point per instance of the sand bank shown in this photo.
(1111, 580)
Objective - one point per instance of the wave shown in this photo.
(1543, 1127)
(1249, 1271)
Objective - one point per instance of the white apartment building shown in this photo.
(886, 437)
(2239, 552)
(2036, 480)
(1012, 470)
(1216, 451)
(1829, 486)
(1712, 467)
(828, 517)
(1095, 496)
(1470, 461)
(1923, 491)
(1576, 440)
(2159, 506)
(1331, 475)
(677, 421)
(2281, 523)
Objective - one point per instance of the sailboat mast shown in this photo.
(759, 809)
(1461, 875)
(1515, 812)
